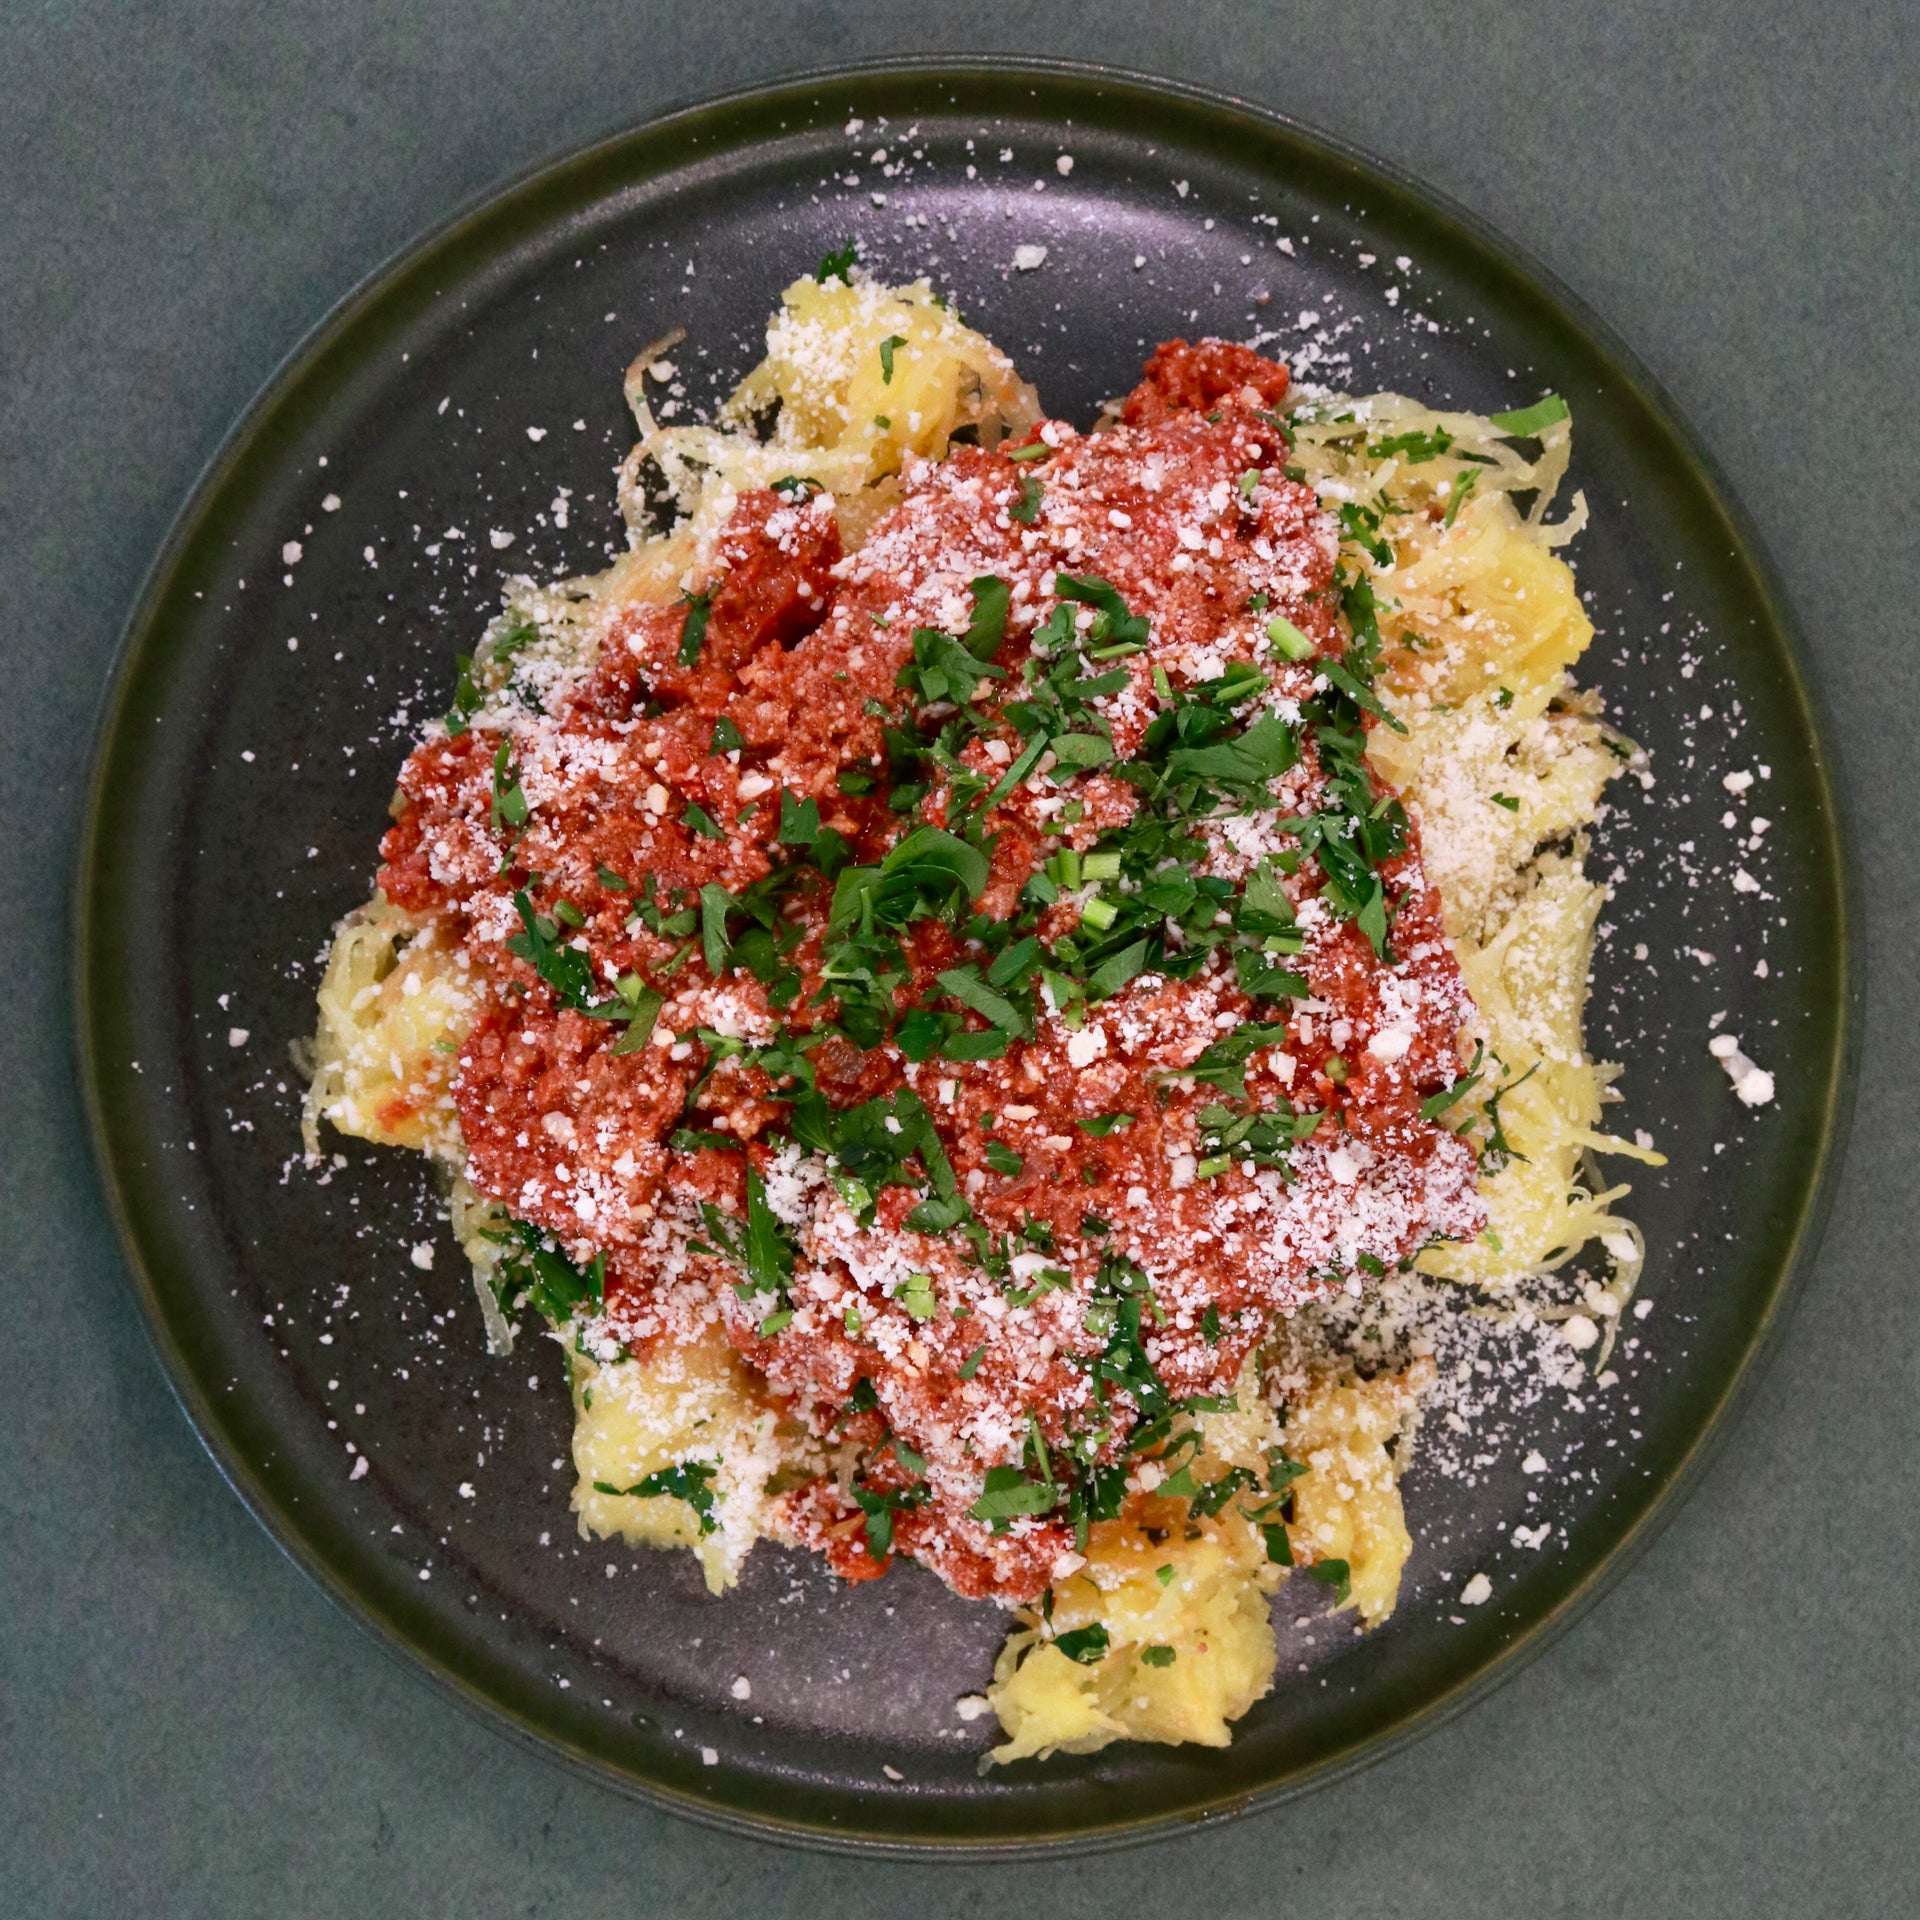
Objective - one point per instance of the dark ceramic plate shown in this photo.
(262, 705)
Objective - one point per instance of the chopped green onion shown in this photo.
(1287, 639)
(1526, 422)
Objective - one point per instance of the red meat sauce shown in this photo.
(800, 658)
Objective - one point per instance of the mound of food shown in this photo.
(923, 970)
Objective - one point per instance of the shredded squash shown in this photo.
(1504, 763)
(395, 1003)
(694, 1407)
(843, 413)
(1189, 1644)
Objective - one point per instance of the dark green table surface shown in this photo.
(186, 1726)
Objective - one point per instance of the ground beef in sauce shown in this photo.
(1185, 510)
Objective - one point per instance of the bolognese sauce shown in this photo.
(977, 971)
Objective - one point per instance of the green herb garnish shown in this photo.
(1526, 422)
(1335, 1574)
(690, 1481)
(1087, 1645)
(693, 630)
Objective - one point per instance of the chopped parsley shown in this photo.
(532, 1268)
(799, 821)
(966, 985)
(564, 968)
(1414, 448)
(508, 809)
(1266, 1138)
(1361, 525)
(640, 1006)
(878, 1508)
(1436, 1104)
(1204, 1498)
(691, 1481)
(759, 1244)
(1087, 1645)
(1009, 1495)
(1335, 1574)
(467, 695)
(928, 873)
(1463, 485)
(693, 630)
(1122, 1300)
(1112, 620)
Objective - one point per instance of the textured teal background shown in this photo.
(186, 1727)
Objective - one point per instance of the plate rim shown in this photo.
(1793, 1264)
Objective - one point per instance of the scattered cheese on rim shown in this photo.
(1753, 1084)
(1579, 1332)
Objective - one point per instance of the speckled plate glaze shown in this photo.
(302, 619)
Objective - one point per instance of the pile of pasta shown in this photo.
(1483, 626)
